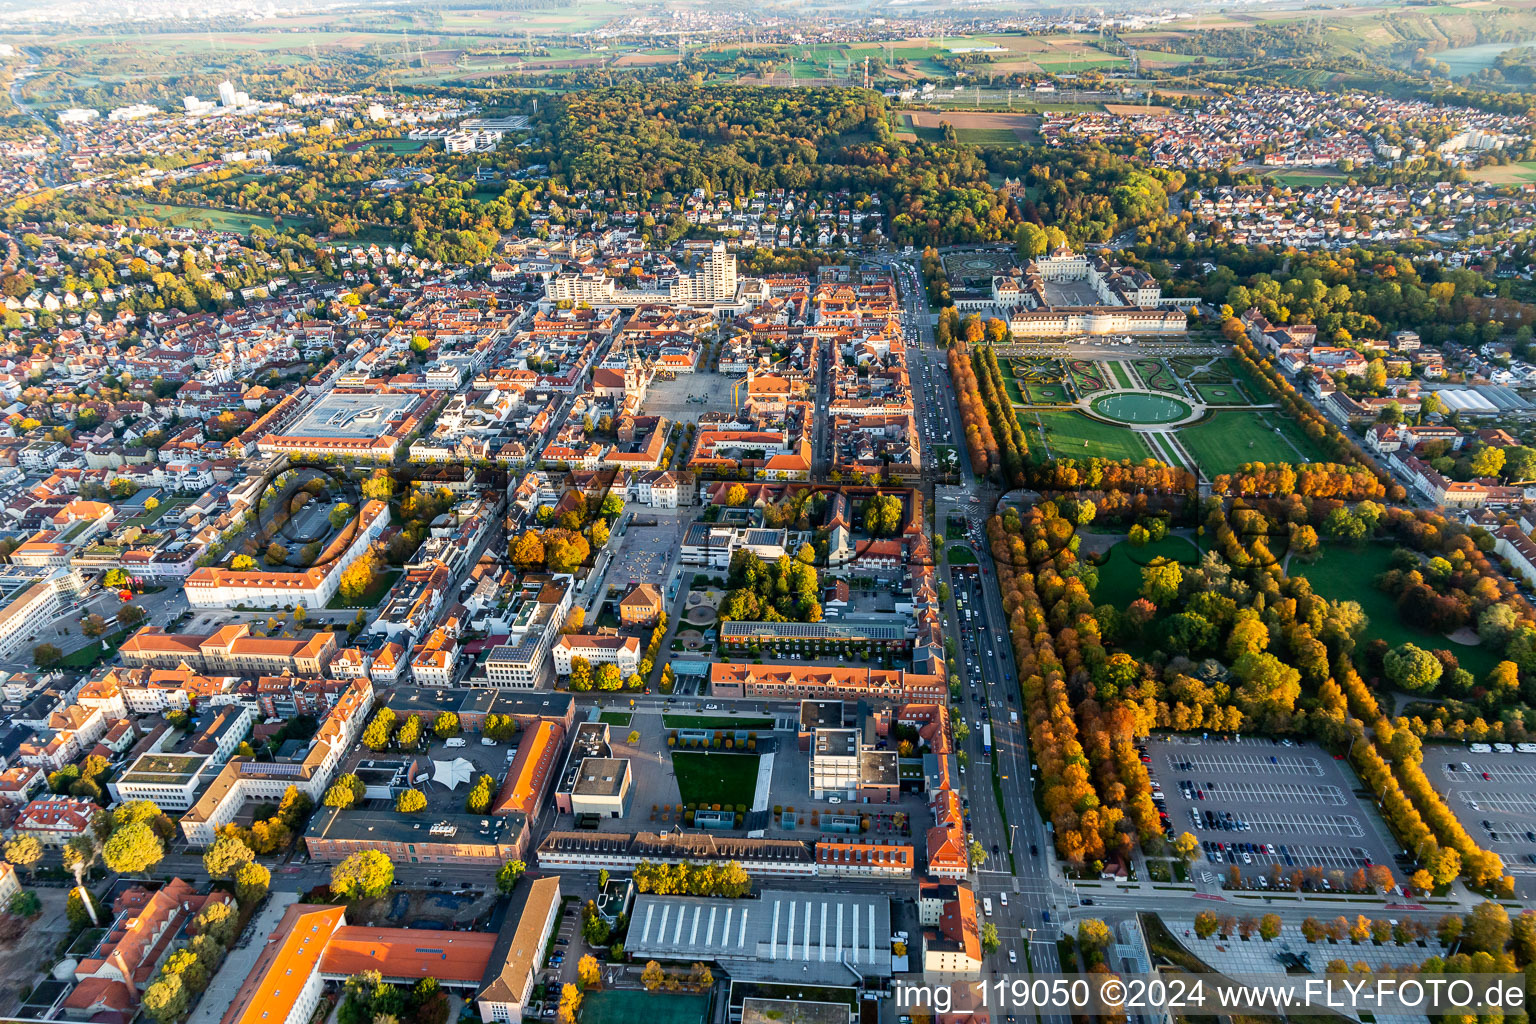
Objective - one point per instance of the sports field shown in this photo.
(630, 1007)
(394, 145)
(1071, 435)
(1226, 440)
(726, 779)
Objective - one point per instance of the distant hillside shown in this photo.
(1389, 35)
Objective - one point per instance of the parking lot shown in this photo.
(1268, 809)
(1494, 795)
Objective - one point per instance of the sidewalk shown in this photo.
(225, 985)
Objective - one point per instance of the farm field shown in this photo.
(1226, 440)
(985, 127)
(1348, 574)
(1071, 435)
(1507, 174)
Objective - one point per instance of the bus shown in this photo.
(986, 739)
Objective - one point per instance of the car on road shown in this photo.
(1013, 957)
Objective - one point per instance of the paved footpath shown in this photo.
(236, 967)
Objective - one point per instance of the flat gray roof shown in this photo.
(781, 931)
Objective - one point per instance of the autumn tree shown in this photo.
(362, 875)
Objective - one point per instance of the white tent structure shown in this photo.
(451, 773)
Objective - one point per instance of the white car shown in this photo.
(711, 707)
(1013, 957)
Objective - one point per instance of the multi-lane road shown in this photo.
(997, 787)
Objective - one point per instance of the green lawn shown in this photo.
(960, 554)
(715, 722)
(726, 779)
(616, 718)
(1155, 375)
(1226, 440)
(1120, 575)
(1071, 435)
(1047, 394)
(370, 597)
(216, 220)
(643, 1008)
(91, 653)
(396, 145)
(1305, 179)
(1011, 386)
(1221, 394)
(1122, 375)
(1348, 574)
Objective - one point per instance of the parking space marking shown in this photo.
(1257, 764)
(1309, 824)
(1509, 803)
(1520, 773)
(1301, 857)
(1502, 830)
(1292, 824)
(1274, 792)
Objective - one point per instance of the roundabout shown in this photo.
(1142, 408)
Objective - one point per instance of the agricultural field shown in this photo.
(1507, 174)
(974, 127)
(1068, 434)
